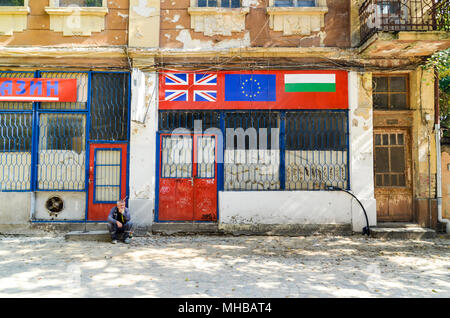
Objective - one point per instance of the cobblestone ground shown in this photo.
(224, 266)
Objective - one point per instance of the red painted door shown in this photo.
(107, 178)
(187, 178)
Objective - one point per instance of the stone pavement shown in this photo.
(44, 264)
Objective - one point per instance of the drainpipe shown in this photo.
(437, 132)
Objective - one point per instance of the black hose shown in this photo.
(366, 230)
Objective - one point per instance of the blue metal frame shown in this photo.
(107, 165)
(36, 111)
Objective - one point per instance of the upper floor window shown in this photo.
(295, 3)
(79, 3)
(390, 92)
(219, 3)
(12, 3)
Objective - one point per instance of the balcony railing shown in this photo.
(403, 15)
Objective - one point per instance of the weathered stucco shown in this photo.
(176, 21)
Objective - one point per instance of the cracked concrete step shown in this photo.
(102, 236)
(183, 228)
(409, 232)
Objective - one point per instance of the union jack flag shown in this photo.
(198, 87)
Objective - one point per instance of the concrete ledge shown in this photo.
(406, 233)
(185, 228)
(102, 236)
(286, 229)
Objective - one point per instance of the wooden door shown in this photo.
(393, 185)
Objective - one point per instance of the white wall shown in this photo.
(143, 147)
(74, 206)
(284, 207)
(15, 207)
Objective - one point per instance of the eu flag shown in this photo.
(250, 87)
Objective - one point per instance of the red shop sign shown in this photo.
(38, 89)
(273, 89)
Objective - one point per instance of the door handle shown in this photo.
(192, 181)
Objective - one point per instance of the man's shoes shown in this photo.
(127, 240)
(114, 241)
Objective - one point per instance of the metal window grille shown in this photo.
(266, 150)
(316, 154)
(109, 106)
(62, 153)
(58, 148)
(171, 120)
(206, 153)
(403, 15)
(251, 158)
(82, 91)
(219, 3)
(176, 156)
(16, 105)
(15, 151)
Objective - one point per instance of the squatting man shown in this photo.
(119, 221)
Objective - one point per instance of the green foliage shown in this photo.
(440, 61)
(11, 3)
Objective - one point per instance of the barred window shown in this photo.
(15, 151)
(109, 106)
(62, 151)
(251, 158)
(219, 3)
(316, 153)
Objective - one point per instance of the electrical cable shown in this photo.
(366, 230)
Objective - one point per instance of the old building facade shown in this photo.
(255, 115)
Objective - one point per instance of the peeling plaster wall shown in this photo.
(143, 151)
(144, 23)
(423, 141)
(38, 31)
(318, 207)
(176, 29)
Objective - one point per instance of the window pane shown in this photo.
(11, 2)
(398, 101)
(15, 151)
(397, 159)
(398, 84)
(176, 156)
(380, 84)
(300, 3)
(251, 159)
(284, 3)
(380, 101)
(80, 3)
(109, 107)
(381, 159)
(62, 139)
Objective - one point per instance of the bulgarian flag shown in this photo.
(309, 83)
